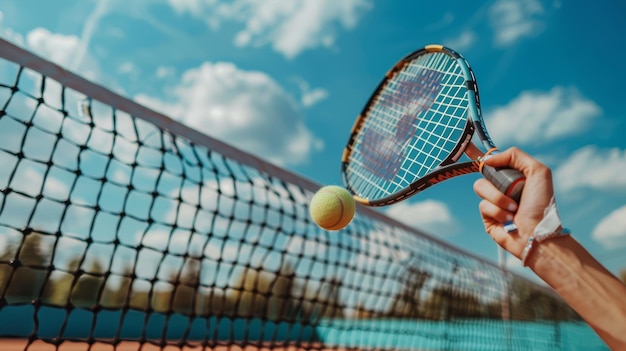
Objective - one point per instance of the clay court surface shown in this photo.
(21, 345)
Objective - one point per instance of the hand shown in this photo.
(496, 208)
(586, 285)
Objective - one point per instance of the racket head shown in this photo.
(414, 128)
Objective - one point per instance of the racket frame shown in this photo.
(449, 167)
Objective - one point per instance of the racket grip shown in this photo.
(508, 180)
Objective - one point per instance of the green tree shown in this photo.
(89, 285)
(406, 303)
(249, 296)
(139, 299)
(333, 308)
(448, 302)
(281, 302)
(530, 302)
(520, 292)
(185, 291)
(58, 289)
(360, 312)
(494, 310)
(26, 274)
(5, 268)
(117, 296)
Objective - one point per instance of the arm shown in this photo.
(588, 287)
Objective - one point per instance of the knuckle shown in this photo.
(543, 170)
(514, 149)
(483, 206)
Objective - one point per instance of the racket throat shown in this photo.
(473, 152)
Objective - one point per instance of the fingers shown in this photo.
(515, 158)
(493, 219)
(486, 190)
(538, 189)
(499, 215)
(497, 209)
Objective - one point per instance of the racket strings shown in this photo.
(437, 137)
(413, 125)
(440, 132)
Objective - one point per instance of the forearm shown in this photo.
(592, 291)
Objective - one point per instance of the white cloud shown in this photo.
(310, 96)
(309, 247)
(20, 211)
(290, 27)
(245, 108)
(462, 42)
(592, 167)
(611, 231)
(228, 196)
(62, 50)
(127, 68)
(385, 244)
(165, 71)
(91, 26)
(430, 216)
(313, 96)
(191, 6)
(539, 117)
(9, 34)
(512, 20)
(58, 48)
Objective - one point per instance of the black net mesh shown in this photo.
(118, 234)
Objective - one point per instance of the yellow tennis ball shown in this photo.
(332, 207)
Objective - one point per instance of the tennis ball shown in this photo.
(332, 207)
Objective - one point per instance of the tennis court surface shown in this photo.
(19, 345)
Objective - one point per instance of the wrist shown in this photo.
(548, 258)
(548, 228)
(535, 241)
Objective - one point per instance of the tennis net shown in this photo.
(123, 229)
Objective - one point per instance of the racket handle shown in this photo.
(508, 180)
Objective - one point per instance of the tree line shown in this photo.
(27, 275)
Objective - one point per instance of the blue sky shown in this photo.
(285, 80)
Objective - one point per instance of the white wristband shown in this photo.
(549, 227)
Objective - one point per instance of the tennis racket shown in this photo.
(415, 128)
